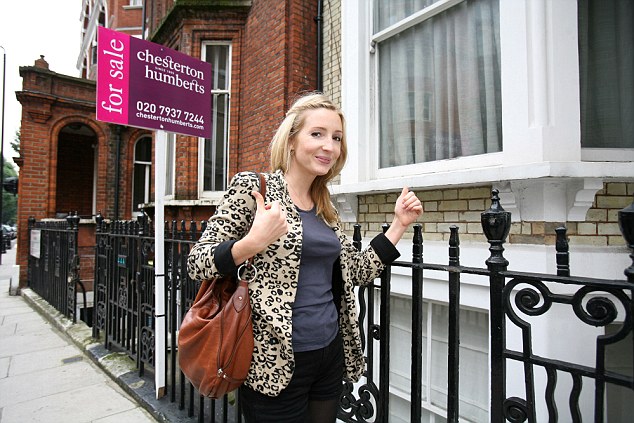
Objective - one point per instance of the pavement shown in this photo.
(53, 371)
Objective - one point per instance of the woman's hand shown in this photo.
(268, 226)
(408, 207)
(406, 210)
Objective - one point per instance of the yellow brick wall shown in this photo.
(331, 70)
(332, 49)
(462, 207)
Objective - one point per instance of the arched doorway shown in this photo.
(75, 182)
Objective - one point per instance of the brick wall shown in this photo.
(278, 63)
(125, 19)
(273, 60)
(463, 206)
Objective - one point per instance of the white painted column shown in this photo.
(540, 81)
(354, 91)
(159, 263)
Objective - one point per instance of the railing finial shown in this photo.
(626, 224)
(496, 224)
(563, 255)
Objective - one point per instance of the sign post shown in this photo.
(147, 85)
(159, 263)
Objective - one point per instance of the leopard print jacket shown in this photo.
(273, 290)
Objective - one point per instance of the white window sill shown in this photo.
(489, 175)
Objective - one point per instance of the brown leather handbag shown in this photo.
(215, 341)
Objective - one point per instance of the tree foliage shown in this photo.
(15, 144)
(9, 201)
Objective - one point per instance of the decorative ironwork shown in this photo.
(515, 410)
(496, 224)
(359, 408)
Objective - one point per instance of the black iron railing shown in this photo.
(124, 310)
(53, 263)
(516, 297)
(124, 303)
(124, 288)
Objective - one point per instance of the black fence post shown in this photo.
(99, 288)
(417, 325)
(496, 223)
(453, 355)
(563, 255)
(383, 408)
(73, 266)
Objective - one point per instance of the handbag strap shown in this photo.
(249, 263)
(262, 185)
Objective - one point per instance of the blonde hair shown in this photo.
(281, 149)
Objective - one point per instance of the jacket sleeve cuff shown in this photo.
(223, 258)
(384, 248)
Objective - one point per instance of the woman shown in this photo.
(304, 313)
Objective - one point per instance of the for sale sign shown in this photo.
(146, 85)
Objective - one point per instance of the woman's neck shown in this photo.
(299, 189)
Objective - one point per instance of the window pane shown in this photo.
(138, 196)
(220, 134)
(143, 150)
(474, 368)
(217, 55)
(606, 68)
(439, 87)
(619, 359)
(207, 165)
(215, 148)
(389, 12)
(142, 167)
(400, 341)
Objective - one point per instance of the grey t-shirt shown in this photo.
(314, 313)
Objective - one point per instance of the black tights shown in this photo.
(322, 411)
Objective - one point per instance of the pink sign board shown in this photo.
(146, 85)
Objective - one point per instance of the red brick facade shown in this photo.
(69, 160)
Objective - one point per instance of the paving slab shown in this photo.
(84, 404)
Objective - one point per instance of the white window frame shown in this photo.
(540, 104)
(216, 195)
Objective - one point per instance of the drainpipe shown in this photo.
(144, 14)
(117, 170)
(320, 47)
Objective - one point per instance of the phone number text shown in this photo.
(171, 112)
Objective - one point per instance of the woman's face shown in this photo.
(317, 145)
